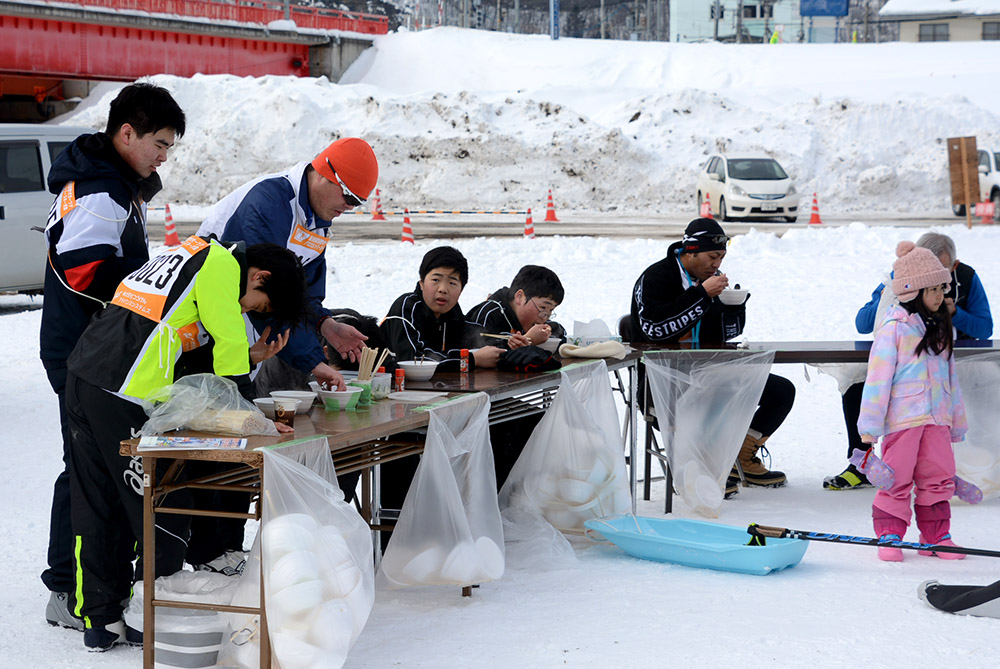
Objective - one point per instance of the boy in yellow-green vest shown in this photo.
(198, 290)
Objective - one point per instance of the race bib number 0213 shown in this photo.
(145, 290)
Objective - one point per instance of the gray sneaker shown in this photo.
(57, 612)
(230, 563)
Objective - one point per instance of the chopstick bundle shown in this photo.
(369, 362)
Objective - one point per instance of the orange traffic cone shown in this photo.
(705, 211)
(529, 227)
(814, 218)
(377, 214)
(550, 211)
(170, 236)
(407, 230)
(984, 209)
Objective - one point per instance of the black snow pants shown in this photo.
(106, 493)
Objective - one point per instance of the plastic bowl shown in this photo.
(418, 370)
(266, 405)
(305, 397)
(340, 400)
(733, 296)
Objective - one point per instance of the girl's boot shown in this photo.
(934, 521)
(888, 528)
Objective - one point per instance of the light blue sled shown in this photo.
(695, 543)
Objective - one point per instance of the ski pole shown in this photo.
(761, 532)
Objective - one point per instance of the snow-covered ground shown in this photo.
(840, 605)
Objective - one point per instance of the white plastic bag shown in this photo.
(977, 459)
(207, 403)
(449, 530)
(241, 638)
(185, 637)
(704, 405)
(319, 574)
(572, 468)
(318, 565)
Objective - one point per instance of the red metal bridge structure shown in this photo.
(43, 43)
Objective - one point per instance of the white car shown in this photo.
(26, 153)
(989, 183)
(747, 187)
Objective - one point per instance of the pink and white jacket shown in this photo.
(905, 390)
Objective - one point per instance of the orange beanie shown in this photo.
(354, 161)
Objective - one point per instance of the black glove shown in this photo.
(734, 319)
(527, 359)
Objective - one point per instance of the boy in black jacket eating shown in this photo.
(428, 322)
(522, 311)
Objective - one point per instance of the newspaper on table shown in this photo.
(164, 443)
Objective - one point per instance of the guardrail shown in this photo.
(250, 11)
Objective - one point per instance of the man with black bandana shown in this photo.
(677, 300)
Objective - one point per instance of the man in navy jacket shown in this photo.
(295, 209)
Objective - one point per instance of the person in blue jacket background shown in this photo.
(295, 209)
(970, 314)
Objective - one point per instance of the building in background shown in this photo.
(944, 20)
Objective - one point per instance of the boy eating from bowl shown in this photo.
(427, 323)
(521, 312)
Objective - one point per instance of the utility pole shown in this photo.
(739, 22)
(601, 19)
(717, 7)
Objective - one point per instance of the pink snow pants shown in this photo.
(921, 457)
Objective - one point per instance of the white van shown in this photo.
(26, 153)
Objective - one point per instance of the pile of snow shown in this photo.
(608, 125)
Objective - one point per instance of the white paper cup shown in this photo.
(284, 410)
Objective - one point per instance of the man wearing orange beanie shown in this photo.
(295, 209)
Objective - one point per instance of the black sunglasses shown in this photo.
(350, 198)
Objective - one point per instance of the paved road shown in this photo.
(359, 228)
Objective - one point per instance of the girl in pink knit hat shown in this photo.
(912, 400)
